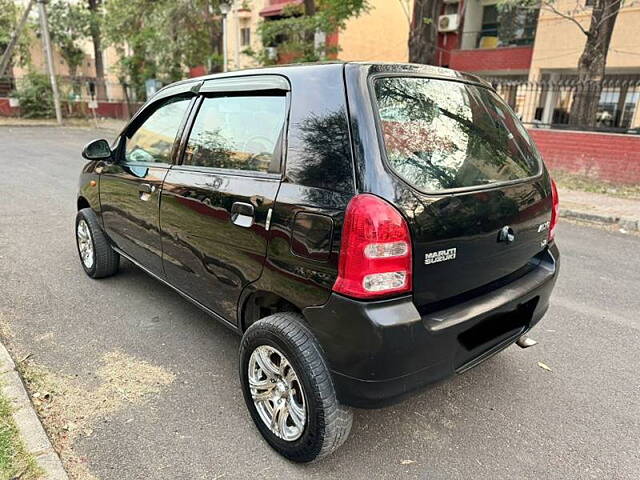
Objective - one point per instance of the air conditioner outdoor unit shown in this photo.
(448, 23)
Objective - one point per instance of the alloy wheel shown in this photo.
(85, 244)
(277, 393)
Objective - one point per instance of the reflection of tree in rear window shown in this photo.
(441, 135)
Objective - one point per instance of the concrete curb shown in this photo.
(36, 441)
(630, 224)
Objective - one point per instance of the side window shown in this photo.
(239, 133)
(153, 140)
(245, 37)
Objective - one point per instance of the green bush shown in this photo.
(36, 96)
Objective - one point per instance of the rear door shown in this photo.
(215, 205)
(130, 187)
(481, 199)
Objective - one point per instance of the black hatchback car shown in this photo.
(369, 229)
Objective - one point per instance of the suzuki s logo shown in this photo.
(506, 234)
(439, 256)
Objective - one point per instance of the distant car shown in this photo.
(369, 229)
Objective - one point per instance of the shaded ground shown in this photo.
(508, 418)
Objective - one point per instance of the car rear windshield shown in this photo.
(442, 135)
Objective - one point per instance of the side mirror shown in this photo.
(97, 150)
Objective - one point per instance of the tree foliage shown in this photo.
(69, 24)
(10, 13)
(160, 39)
(423, 34)
(36, 96)
(516, 23)
(294, 33)
(592, 63)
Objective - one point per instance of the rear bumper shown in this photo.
(380, 351)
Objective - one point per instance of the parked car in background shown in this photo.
(369, 229)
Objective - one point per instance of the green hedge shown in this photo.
(36, 96)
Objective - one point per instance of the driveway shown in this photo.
(143, 385)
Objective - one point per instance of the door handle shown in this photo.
(147, 188)
(242, 214)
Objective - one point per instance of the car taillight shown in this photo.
(375, 250)
(554, 210)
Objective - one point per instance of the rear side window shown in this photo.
(442, 135)
(238, 133)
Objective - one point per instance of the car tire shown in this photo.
(97, 257)
(327, 423)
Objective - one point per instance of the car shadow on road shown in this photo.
(398, 437)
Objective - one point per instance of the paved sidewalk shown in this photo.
(600, 208)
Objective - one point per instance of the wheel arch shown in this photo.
(258, 304)
(82, 202)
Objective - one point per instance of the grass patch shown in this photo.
(582, 183)
(15, 461)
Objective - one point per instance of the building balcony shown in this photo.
(512, 59)
(275, 7)
(243, 13)
(498, 40)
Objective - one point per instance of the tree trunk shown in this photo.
(591, 67)
(215, 39)
(101, 87)
(218, 46)
(175, 72)
(127, 100)
(423, 36)
(309, 7)
(309, 35)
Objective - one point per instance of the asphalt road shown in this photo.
(507, 418)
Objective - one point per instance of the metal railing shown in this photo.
(548, 103)
(72, 88)
(543, 104)
(80, 96)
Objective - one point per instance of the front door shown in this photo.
(130, 187)
(215, 206)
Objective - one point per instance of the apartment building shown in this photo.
(557, 49)
(529, 55)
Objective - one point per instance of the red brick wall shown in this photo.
(507, 58)
(609, 157)
(197, 71)
(447, 43)
(115, 110)
(81, 109)
(333, 41)
(6, 110)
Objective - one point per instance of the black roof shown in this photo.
(373, 67)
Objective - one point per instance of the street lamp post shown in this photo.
(225, 8)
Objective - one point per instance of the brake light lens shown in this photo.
(555, 210)
(375, 251)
